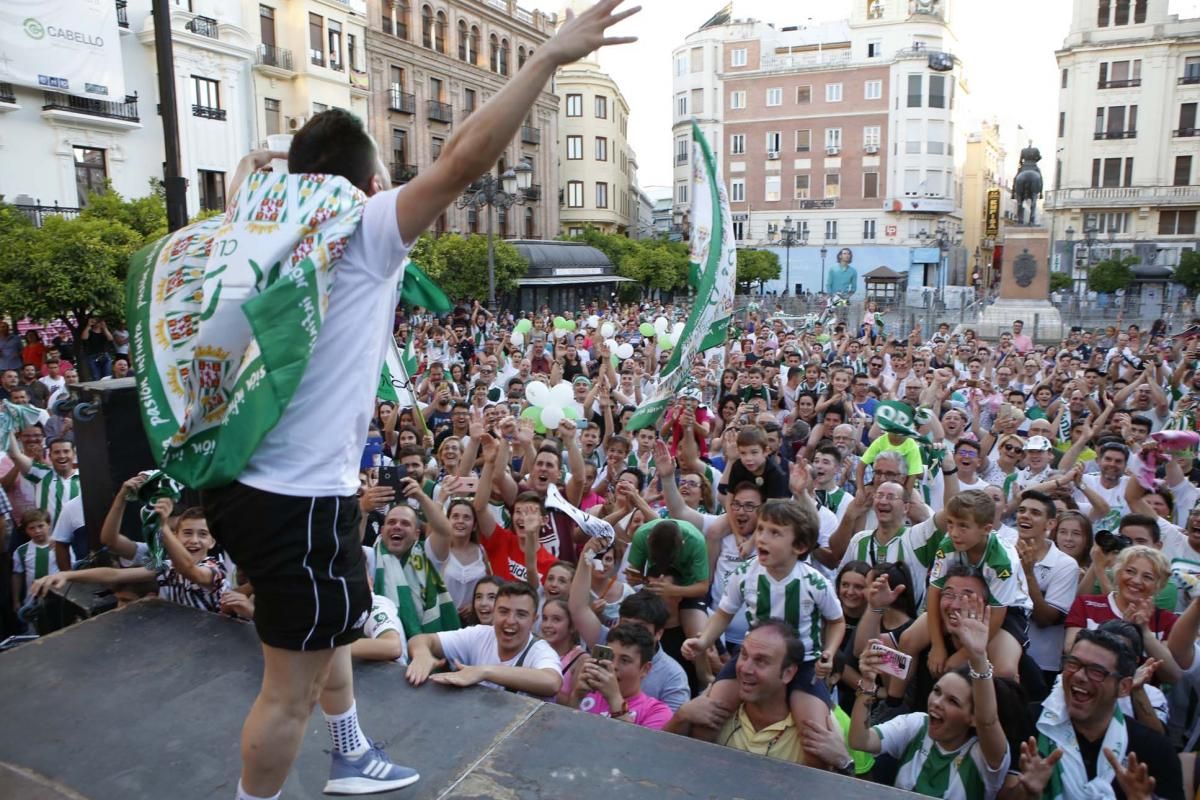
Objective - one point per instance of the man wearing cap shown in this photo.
(1037, 468)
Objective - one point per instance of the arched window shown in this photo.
(440, 30)
(462, 40)
(520, 56)
(427, 27)
(494, 52)
(529, 232)
(503, 57)
(473, 46)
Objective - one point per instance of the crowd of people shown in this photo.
(961, 567)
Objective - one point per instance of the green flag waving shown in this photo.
(420, 290)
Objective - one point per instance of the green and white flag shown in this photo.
(714, 259)
(224, 314)
(395, 383)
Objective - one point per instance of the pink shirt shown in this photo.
(643, 709)
(1022, 343)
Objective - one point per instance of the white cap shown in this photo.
(1038, 443)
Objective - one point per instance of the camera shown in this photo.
(1110, 542)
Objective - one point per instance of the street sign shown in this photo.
(992, 226)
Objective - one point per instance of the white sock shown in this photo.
(348, 738)
(242, 794)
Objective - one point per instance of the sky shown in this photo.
(1016, 83)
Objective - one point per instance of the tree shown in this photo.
(756, 266)
(655, 266)
(1061, 282)
(460, 265)
(1112, 275)
(1188, 272)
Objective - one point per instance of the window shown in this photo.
(803, 141)
(739, 231)
(212, 190)
(436, 143)
(272, 116)
(871, 136)
(601, 148)
(1106, 173)
(774, 140)
(335, 45)
(833, 93)
(462, 38)
(316, 39)
(1062, 124)
(833, 139)
(574, 148)
(771, 185)
(872, 90)
(437, 90)
(697, 59)
(206, 94)
(868, 230)
(737, 191)
(803, 95)
(574, 233)
(1183, 170)
(874, 48)
(427, 27)
(737, 99)
(775, 97)
(912, 182)
(473, 45)
(90, 172)
(399, 146)
(1063, 82)
(833, 185)
(936, 137)
(574, 105)
(1191, 69)
(574, 194)
(1121, 12)
(398, 79)
(681, 105)
(1139, 11)
(737, 57)
(937, 91)
(601, 107)
(1102, 9)
(681, 151)
(521, 56)
(1175, 223)
(915, 84)
(503, 57)
(737, 144)
(1187, 117)
(470, 101)
(352, 58)
(870, 186)
(875, 9)
(680, 65)
(681, 193)
(494, 53)
(697, 101)
(801, 188)
(831, 230)
(601, 195)
(266, 25)
(1116, 122)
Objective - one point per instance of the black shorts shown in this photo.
(304, 558)
(806, 680)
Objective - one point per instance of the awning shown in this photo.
(565, 280)
(883, 273)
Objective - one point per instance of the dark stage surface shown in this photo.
(148, 702)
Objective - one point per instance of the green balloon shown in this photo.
(560, 323)
(569, 325)
(646, 329)
(534, 415)
(523, 326)
(569, 412)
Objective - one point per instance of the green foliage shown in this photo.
(1061, 282)
(145, 215)
(1112, 275)
(655, 264)
(1188, 272)
(459, 265)
(756, 266)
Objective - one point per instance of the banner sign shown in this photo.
(71, 46)
(992, 227)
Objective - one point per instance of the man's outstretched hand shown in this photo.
(585, 33)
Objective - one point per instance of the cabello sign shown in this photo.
(70, 46)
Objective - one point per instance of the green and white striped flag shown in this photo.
(714, 259)
(395, 382)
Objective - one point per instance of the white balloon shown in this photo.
(612, 346)
(593, 321)
(552, 416)
(625, 351)
(561, 395)
(661, 325)
(517, 339)
(607, 330)
(537, 393)
(677, 331)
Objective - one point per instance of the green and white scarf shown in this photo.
(158, 486)
(1069, 779)
(224, 314)
(415, 586)
(14, 417)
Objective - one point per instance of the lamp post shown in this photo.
(824, 252)
(944, 237)
(791, 237)
(500, 193)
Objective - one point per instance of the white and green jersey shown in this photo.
(1185, 562)
(915, 546)
(804, 599)
(1001, 568)
(51, 491)
(927, 769)
(34, 561)
(836, 500)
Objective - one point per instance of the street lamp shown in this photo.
(791, 237)
(489, 192)
(824, 252)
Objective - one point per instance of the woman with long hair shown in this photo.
(455, 550)
(483, 602)
(1073, 535)
(558, 630)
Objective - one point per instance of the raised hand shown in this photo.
(800, 478)
(1133, 777)
(973, 627)
(881, 595)
(1145, 672)
(664, 465)
(1036, 769)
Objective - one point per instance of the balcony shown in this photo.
(122, 14)
(439, 112)
(37, 213)
(1123, 84)
(1181, 133)
(208, 112)
(273, 58)
(1123, 197)
(681, 158)
(534, 192)
(203, 26)
(403, 173)
(1100, 135)
(6, 93)
(122, 114)
(1188, 80)
(530, 135)
(402, 102)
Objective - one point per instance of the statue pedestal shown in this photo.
(1024, 288)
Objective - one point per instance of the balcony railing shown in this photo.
(271, 56)
(1123, 196)
(127, 110)
(1122, 84)
(1183, 132)
(122, 13)
(403, 173)
(439, 112)
(203, 26)
(681, 158)
(37, 213)
(1115, 135)
(1189, 79)
(403, 102)
(534, 192)
(208, 112)
(530, 135)
(317, 57)
(6, 93)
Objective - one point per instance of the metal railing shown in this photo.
(439, 112)
(681, 158)
(1182, 132)
(1099, 135)
(403, 173)
(403, 102)
(208, 112)
(126, 110)
(1122, 84)
(1189, 79)
(530, 135)
(271, 56)
(203, 26)
(122, 13)
(1124, 195)
(6, 93)
(37, 212)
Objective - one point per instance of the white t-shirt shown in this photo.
(70, 520)
(476, 646)
(385, 617)
(1187, 496)
(1057, 575)
(316, 448)
(1115, 498)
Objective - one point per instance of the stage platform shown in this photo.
(148, 702)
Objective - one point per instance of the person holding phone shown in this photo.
(610, 679)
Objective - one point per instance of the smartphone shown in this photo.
(973, 383)
(894, 663)
(467, 485)
(602, 653)
(393, 476)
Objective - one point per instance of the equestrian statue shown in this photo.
(1028, 184)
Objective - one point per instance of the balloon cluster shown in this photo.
(549, 407)
(520, 330)
(667, 336)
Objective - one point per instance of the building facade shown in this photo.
(433, 63)
(597, 166)
(987, 200)
(1127, 175)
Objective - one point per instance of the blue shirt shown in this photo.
(842, 281)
